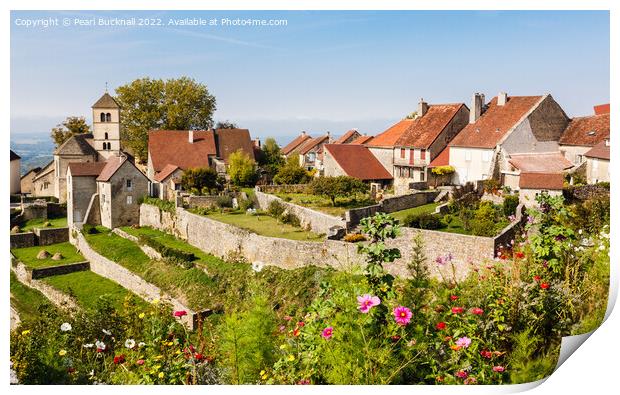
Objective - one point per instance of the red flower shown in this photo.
(544, 285)
(461, 374)
(199, 357)
(486, 354)
(180, 313)
(537, 278)
(300, 324)
(477, 311)
(303, 382)
(395, 338)
(119, 359)
(440, 326)
(296, 332)
(287, 318)
(519, 255)
(453, 297)
(457, 310)
(140, 362)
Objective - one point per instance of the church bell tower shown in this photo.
(107, 126)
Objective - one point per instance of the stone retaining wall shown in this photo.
(22, 240)
(292, 188)
(319, 222)
(201, 201)
(390, 205)
(125, 278)
(148, 251)
(58, 270)
(49, 236)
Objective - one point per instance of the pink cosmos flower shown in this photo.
(477, 311)
(498, 369)
(140, 362)
(461, 374)
(457, 310)
(327, 333)
(402, 315)
(366, 302)
(180, 313)
(463, 342)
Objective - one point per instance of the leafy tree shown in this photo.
(173, 104)
(291, 173)
(271, 158)
(242, 169)
(226, 125)
(199, 179)
(333, 187)
(69, 128)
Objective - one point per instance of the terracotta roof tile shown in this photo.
(419, 132)
(106, 101)
(548, 162)
(443, 159)
(351, 134)
(357, 161)
(295, 144)
(586, 131)
(495, 122)
(111, 166)
(599, 151)
(87, 169)
(362, 140)
(601, 109)
(551, 181)
(310, 144)
(173, 147)
(228, 141)
(166, 171)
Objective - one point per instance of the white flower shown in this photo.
(100, 345)
(257, 266)
(65, 327)
(601, 247)
(130, 343)
(141, 344)
(88, 345)
(92, 373)
(107, 332)
(580, 231)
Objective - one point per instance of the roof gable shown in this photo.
(112, 165)
(230, 140)
(105, 101)
(586, 131)
(295, 144)
(599, 151)
(310, 144)
(77, 145)
(166, 172)
(550, 162)
(14, 156)
(86, 169)
(173, 147)
(362, 140)
(351, 134)
(357, 161)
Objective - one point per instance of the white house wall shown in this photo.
(471, 164)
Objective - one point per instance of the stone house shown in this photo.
(529, 164)
(82, 192)
(348, 137)
(533, 184)
(408, 147)
(597, 162)
(311, 153)
(363, 139)
(169, 180)
(44, 182)
(357, 161)
(15, 173)
(582, 134)
(26, 181)
(294, 146)
(505, 126)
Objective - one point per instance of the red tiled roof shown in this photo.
(173, 147)
(601, 109)
(419, 132)
(111, 166)
(599, 151)
(495, 122)
(548, 162)
(230, 140)
(308, 145)
(86, 169)
(290, 147)
(362, 140)
(586, 131)
(551, 181)
(443, 159)
(357, 161)
(347, 136)
(166, 171)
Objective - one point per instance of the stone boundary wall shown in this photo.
(194, 201)
(289, 188)
(319, 222)
(22, 240)
(49, 236)
(390, 205)
(224, 240)
(148, 251)
(58, 270)
(125, 278)
(510, 231)
(57, 298)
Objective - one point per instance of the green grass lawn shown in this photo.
(424, 209)
(26, 300)
(88, 287)
(265, 225)
(38, 223)
(28, 255)
(323, 204)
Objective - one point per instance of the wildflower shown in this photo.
(100, 346)
(395, 338)
(119, 359)
(366, 302)
(519, 255)
(455, 347)
(140, 362)
(296, 332)
(141, 344)
(303, 382)
(130, 343)
(88, 345)
(107, 332)
(327, 333)
(463, 342)
(161, 375)
(283, 346)
(65, 327)
(477, 311)
(180, 313)
(263, 374)
(486, 354)
(461, 374)
(544, 285)
(530, 220)
(402, 315)
(469, 380)
(291, 358)
(537, 278)
(282, 328)
(141, 315)
(498, 369)
(440, 326)
(453, 297)
(301, 324)
(457, 310)
(24, 333)
(62, 353)
(257, 266)
(287, 318)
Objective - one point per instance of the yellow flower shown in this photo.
(170, 343)
(282, 347)
(262, 372)
(27, 331)
(158, 357)
(141, 315)
(161, 375)
(177, 352)
(291, 357)
(62, 353)
(156, 368)
(263, 376)
(155, 301)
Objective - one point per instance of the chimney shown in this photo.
(257, 142)
(477, 102)
(502, 98)
(606, 142)
(422, 107)
(329, 137)
(303, 133)
(191, 136)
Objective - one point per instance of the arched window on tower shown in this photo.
(102, 117)
(106, 135)
(108, 117)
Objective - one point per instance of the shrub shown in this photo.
(491, 185)
(200, 179)
(166, 251)
(291, 173)
(291, 219)
(275, 209)
(484, 221)
(89, 229)
(245, 204)
(510, 205)
(423, 221)
(354, 237)
(333, 187)
(225, 201)
(242, 169)
(164, 205)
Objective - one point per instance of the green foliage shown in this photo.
(291, 219)
(167, 251)
(90, 229)
(484, 220)
(164, 205)
(156, 104)
(242, 169)
(69, 128)
(525, 366)
(275, 209)
(270, 157)
(510, 205)
(225, 201)
(226, 125)
(378, 229)
(443, 170)
(291, 173)
(202, 178)
(245, 204)
(340, 186)
(424, 221)
(491, 185)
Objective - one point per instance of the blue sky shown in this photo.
(323, 71)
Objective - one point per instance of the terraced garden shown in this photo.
(26, 300)
(40, 223)
(28, 255)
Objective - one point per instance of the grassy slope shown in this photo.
(323, 204)
(265, 225)
(28, 255)
(38, 223)
(26, 300)
(426, 208)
